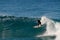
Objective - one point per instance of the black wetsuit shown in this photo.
(39, 22)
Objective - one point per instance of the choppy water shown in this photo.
(21, 29)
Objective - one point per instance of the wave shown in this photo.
(21, 27)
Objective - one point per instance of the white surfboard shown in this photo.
(50, 35)
(37, 26)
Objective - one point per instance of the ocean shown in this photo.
(18, 18)
(22, 28)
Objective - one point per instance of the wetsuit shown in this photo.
(39, 22)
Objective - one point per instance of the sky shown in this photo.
(30, 8)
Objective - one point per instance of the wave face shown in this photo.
(21, 28)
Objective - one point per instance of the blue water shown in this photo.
(21, 39)
(21, 29)
(30, 8)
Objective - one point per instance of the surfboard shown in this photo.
(37, 26)
(46, 35)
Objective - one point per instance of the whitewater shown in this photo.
(52, 28)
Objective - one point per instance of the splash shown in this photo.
(52, 28)
(57, 31)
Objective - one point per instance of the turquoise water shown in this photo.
(21, 39)
(21, 29)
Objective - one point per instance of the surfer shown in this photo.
(39, 22)
(38, 25)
